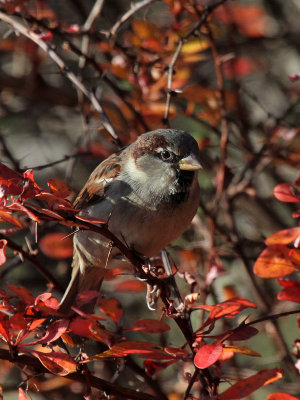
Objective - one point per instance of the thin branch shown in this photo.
(191, 384)
(171, 68)
(96, 10)
(65, 158)
(152, 383)
(7, 153)
(35, 261)
(125, 17)
(224, 124)
(98, 383)
(272, 317)
(63, 68)
(88, 60)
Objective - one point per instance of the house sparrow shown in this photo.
(148, 193)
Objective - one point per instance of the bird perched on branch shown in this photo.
(148, 193)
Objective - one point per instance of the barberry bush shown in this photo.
(80, 79)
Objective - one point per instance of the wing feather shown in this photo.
(95, 187)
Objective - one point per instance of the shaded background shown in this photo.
(230, 89)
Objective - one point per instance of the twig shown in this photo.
(8, 153)
(88, 60)
(191, 383)
(96, 10)
(153, 384)
(63, 68)
(35, 261)
(271, 317)
(50, 164)
(125, 17)
(224, 124)
(206, 11)
(98, 383)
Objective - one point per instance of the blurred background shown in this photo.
(230, 81)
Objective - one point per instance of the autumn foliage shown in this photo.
(81, 81)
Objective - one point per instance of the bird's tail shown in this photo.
(85, 276)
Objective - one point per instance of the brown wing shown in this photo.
(94, 189)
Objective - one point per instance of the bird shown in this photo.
(148, 193)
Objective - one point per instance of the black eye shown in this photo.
(165, 155)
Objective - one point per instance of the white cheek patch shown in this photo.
(136, 173)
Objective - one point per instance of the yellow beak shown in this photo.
(190, 163)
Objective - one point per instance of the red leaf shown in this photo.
(281, 396)
(228, 309)
(294, 255)
(51, 213)
(22, 395)
(241, 66)
(149, 326)
(176, 352)
(291, 293)
(130, 286)
(287, 282)
(3, 244)
(287, 193)
(285, 236)
(5, 216)
(207, 355)
(112, 308)
(91, 220)
(9, 174)
(53, 200)
(59, 188)
(23, 210)
(86, 297)
(245, 387)
(294, 78)
(250, 20)
(152, 367)
(241, 350)
(56, 245)
(58, 363)
(46, 301)
(274, 262)
(4, 329)
(142, 349)
(90, 328)
(54, 332)
(23, 293)
(243, 333)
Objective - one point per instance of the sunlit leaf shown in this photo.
(112, 308)
(57, 363)
(147, 350)
(22, 395)
(6, 217)
(56, 245)
(241, 350)
(287, 193)
(149, 326)
(194, 46)
(281, 396)
(250, 20)
(152, 367)
(207, 355)
(285, 236)
(130, 286)
(3, 244)
(23, 293)
(59, 188)
(245, 387)
(274, 262)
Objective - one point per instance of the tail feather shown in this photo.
(84, 277)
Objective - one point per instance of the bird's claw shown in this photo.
(152, 296)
